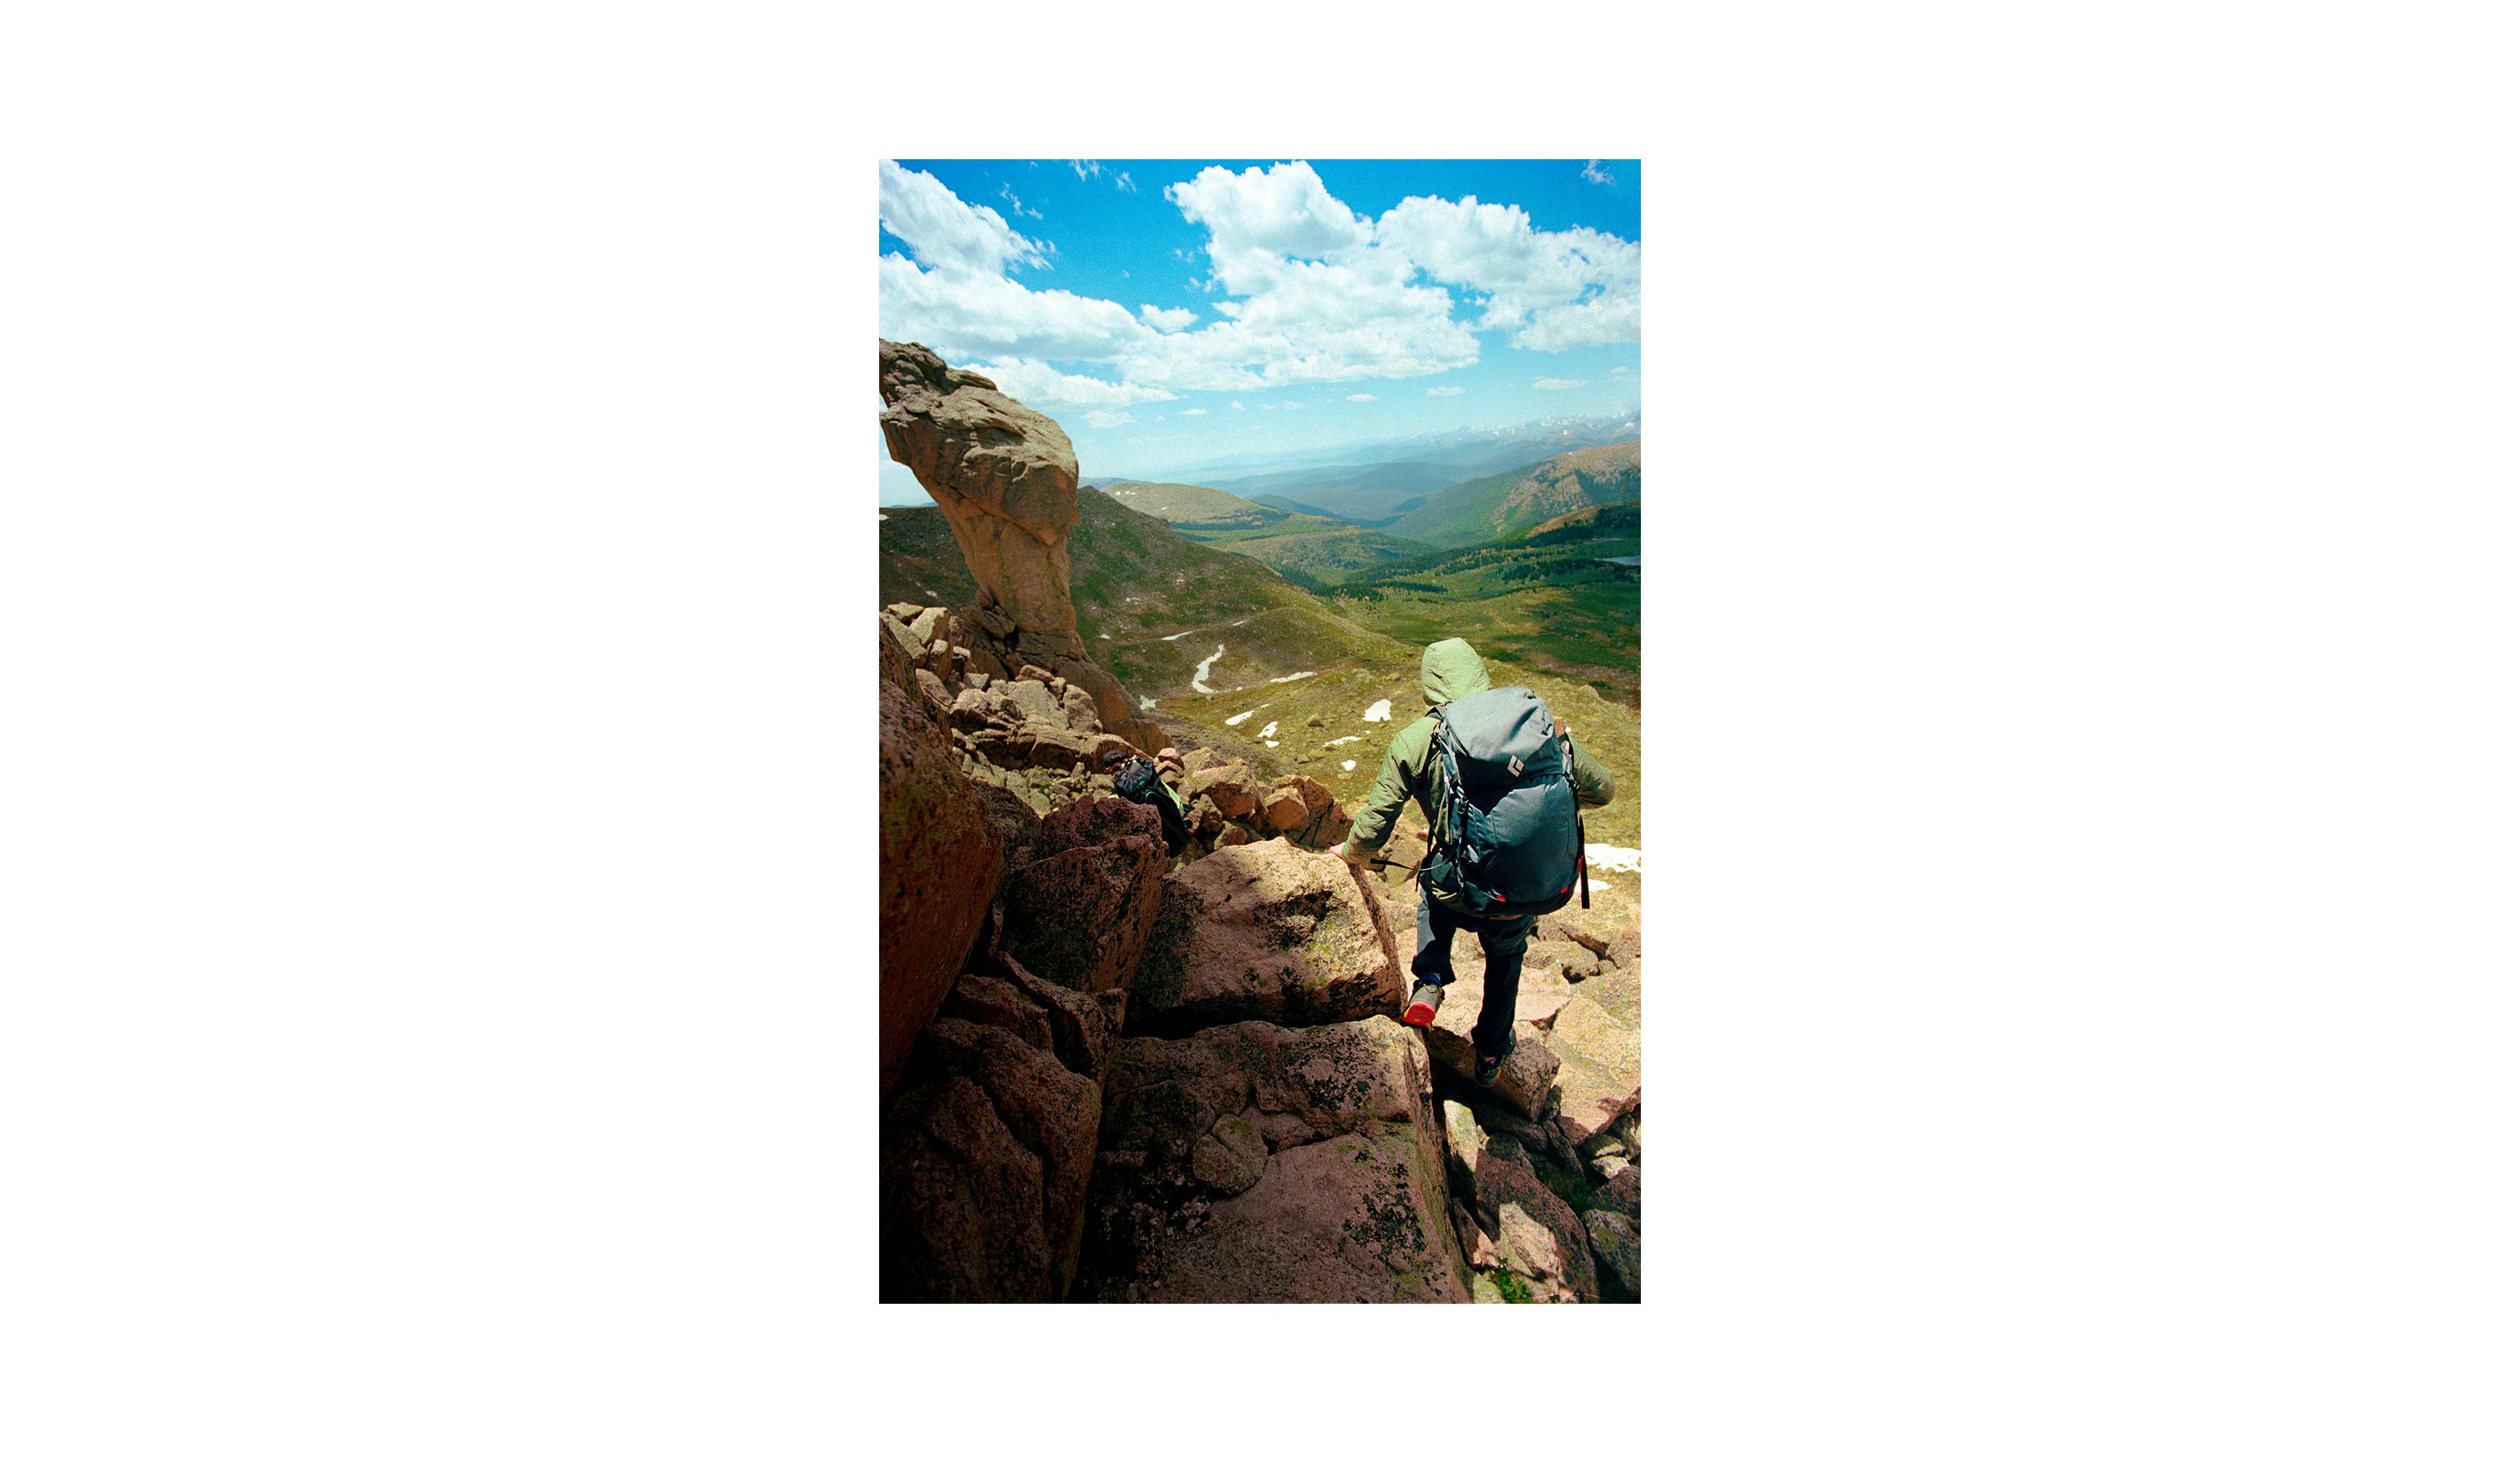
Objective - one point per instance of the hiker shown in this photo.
(1513, 866)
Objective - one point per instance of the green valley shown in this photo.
(1156, 606)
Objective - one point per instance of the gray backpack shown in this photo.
(1508, 838)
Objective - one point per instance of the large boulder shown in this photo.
(1034, 702)
(1084, 1029)
(1254, 1162)
(939, 858)
(1624, 1192)
(1282, 811)
(1268, 932)
(1544, 1240)
(1077, 704)
(986, 1151)
(1088, 821)
(1227, 784)
(1523, 1081)
(1617, 1254)
(1600, 1064)
(1080, 912)
(986, 1001)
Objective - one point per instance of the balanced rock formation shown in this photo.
(1004, 476)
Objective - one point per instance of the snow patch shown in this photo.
(1615, 859)
(1339, 742)
(1145, 703)
(1176, 636)
(1348, 766)
(881, 518)
(1238, 718)
(1298, 676)
(1106, 634)
(1199, 678)
(1269, 730)
(1379, 711)
(1268, 743)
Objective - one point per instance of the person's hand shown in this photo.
(1355, 856)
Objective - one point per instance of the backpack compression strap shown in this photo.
(1582, 862)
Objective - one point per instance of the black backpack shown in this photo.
(1507, 839)
(1137, 780)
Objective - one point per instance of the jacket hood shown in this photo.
(1450, 671)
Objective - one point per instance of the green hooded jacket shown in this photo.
(1450, 671)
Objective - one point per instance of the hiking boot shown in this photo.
(1485, 1070)
(1423, 1003)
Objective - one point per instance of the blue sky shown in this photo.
(1167, 312)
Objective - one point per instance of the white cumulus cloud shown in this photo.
(1107, 419)
(1237, 406)
(1594, 172)
(943, 232)
(1443, 390)
(1038, 382)
(1122, 182)
(1313, 292)
(1193, 411)
(1361, 396)
(1557, 384)
(1549, 291)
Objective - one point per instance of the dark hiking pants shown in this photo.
(1501, 939)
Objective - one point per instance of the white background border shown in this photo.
(439, 813)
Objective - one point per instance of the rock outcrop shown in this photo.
(1601, 1063)
(1252, 1162)
(1267, 932)
(986, 1152)
(1004, 476)
(938, 862)
(1078, 914)
(1616, 1254)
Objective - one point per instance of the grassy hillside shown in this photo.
(1506, 502)
(1151, 604)
(1340, 697)
(1610, 520)
(1552, 600)
(1180, 504)
(1313, 553)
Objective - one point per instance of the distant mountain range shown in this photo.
(1503, 503)
(1444, 457)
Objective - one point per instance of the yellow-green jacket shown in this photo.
(1450, 671)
